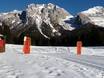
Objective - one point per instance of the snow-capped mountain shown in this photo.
(93, 15)
(49, 24)
(11, 20)
(36, 15)
(49, 14)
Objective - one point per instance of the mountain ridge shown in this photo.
(49, 24)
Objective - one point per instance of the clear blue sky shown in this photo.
(73, 6)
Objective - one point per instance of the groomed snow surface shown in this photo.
(52, 62)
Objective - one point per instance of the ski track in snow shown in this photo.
(48, 62)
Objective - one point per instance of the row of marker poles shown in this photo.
(27, 44)
(26, 47)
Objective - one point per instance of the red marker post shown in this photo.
(27, 44)
(2, 45)
(79, 47)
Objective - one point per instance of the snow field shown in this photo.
(43, 62)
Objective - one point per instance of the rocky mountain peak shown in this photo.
(48, 13)
(34, 16)
(49, 24)
(95, 10)
(93, 15)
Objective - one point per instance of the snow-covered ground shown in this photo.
(52, 62)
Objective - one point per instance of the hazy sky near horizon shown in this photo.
(73, 6)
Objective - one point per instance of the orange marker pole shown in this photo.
(4, 42)
(2, 45)
(79, 47)
(27, 44)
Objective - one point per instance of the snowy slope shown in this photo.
(41, 64)
(93, 15)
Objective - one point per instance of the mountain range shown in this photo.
(51, 25)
